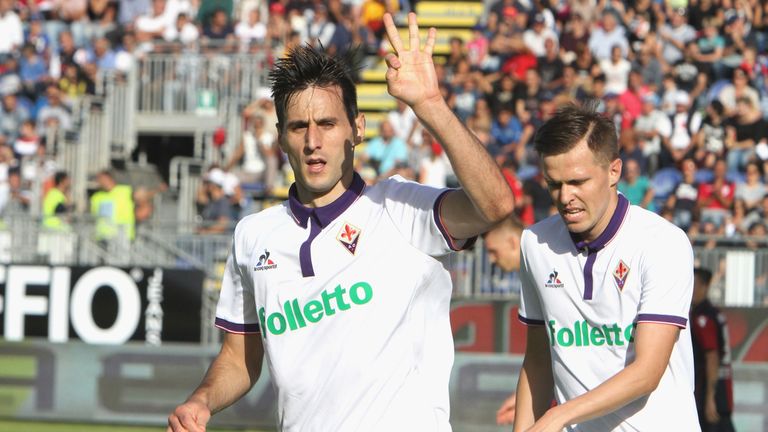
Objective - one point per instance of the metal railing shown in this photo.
(202, 83)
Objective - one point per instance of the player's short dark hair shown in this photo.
(59, 177)
(570, 125)
(704, 275)
(304, 67)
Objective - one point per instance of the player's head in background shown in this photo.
(61, 180)
(105, 180)
(502, 242)
(317, 120)
(701, 280)
(579, 156)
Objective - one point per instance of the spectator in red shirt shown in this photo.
(716, 200)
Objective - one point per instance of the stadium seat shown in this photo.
(374, 97)
(443, 41)
(449, 13)
(736, 177)
(704, 176)
(664, 183)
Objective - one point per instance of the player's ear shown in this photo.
(359, 128)
(614, 172)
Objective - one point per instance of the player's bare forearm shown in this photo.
(411, 77)
(234, 371)
(712, 361)
(535, 386)
(654, 344)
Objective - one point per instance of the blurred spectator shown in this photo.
(218, 28)
(683, 201)
(675, 35)
(576, 35)
(130, 10)
(250, 29)
(73, 83)
(710, 47)
(551, 66)
(750, 193)
(33, 71)
(36, 37)
(143, 203)
(477, 50)
(386, 150)
(523, 206)
(102, 55)
(635, 186)
(747, 129)
(186, 32)
(739, 87)
(53, 114)
(321, 29)
(710, 140)
(12, 115)
(404, 122)
(67, 53)
(434, 168)
(685, 124)
(217, 212)
(20, 196)
(11, 30)
(537, 195)
(57, 204)
(616, 70)
(506, 131)
(113, 208)
(648, 64)
(256, 156)
(653, 129)
(605, 37)
(715, 200)
(153, 22)
(535, 37)
(27, 142)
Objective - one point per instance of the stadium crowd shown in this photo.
(686, 83)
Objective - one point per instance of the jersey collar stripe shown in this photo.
(437, 214)
(610, 231)
(529, 321)
(305, 251)
(663, 319)
(588, 279)
(236, 328)
(326, 214)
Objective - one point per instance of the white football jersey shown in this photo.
(590, 296)
(352, 306)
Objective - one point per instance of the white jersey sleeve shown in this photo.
(530, 304)
(236, 309)
(415, 210)
(667, 281)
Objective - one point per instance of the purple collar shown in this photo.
(610, 231)
(326, 214)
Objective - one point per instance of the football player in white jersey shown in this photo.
(375, 353)
(605, 294)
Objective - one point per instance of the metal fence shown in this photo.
(199, 82)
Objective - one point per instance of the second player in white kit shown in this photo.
(606, 292)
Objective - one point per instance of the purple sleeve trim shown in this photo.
(237, 328)
(663, 319)
(439, 222)
(529, 321)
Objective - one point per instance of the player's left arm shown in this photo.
(653, 344)
(485, 197)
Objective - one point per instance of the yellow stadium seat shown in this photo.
(374, 97)
(449, 13)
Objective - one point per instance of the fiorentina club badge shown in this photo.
(348, 237)
(620, 274)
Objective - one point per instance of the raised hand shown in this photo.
(411, 73)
